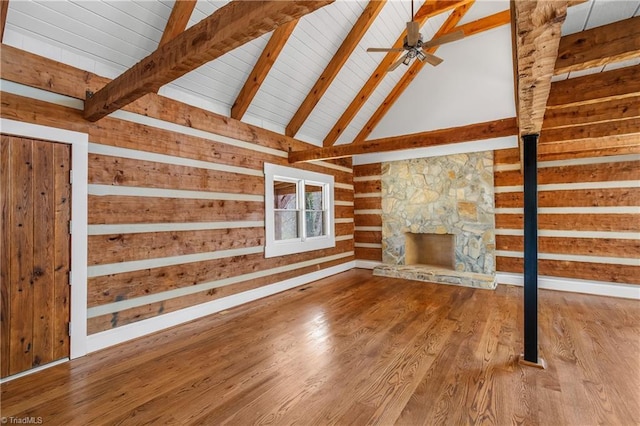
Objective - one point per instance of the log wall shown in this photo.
(176, 196)
(368, 212)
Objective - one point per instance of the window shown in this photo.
(299, 210)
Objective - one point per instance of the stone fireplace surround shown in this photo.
(427, 198)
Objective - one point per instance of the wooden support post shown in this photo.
(530, 166)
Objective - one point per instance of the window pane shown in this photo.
(315, 223)
(286, 225)
(313, 197)
(284, 195)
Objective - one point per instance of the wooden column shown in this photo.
(530, 170)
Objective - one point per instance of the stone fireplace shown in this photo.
(438, 220)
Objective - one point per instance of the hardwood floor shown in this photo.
(357, 349)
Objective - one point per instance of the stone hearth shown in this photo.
(441, 195)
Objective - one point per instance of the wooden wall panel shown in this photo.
(130, 221)
(368, 203)
(595, 235)
(368, 211)
(364, 253)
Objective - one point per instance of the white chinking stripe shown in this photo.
(590, 160)
(573, 210)
(138, 228)
(574, 258)
(368, 245)
(368, 228)
(344, 237)
(506, 167)
(132, 154)
(572, 234)
(136, 265)
(368, 211)
(136, 191)
(366, 178)
(343, 220)
(39, 94)
(347, 186)
(368, 195)
(185, 291)
(332, 166)
(572, 186)
(343, 203)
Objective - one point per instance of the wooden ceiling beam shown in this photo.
(429, 8)
(261, 69)
(616, 84)
(409, 75)
(537, 34)
(619, 41)
(178, 20)
(229, 27)
(473, 132)
(359, 29)
(4, 9)
(598, 112)
(485, 24)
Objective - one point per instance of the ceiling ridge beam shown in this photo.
(261, 69)
(178, 20)
(429, 9)
(229, 27)
(616, 42)
(615, 84)
(472, 132)
(409, 75)
(368, 16)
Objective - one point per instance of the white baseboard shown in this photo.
(367, 264)
(601, 288)
(118, 335)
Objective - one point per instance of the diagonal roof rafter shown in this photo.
(446, 28)
(429, 9)
(369, 14)
(178, 20)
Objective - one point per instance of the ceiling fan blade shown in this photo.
(397, 63)
(432, 59)
(384, 49)
(413, 33)
(444, 39)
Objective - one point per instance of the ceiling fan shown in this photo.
(415, 47)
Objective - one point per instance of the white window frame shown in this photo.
(273, 247)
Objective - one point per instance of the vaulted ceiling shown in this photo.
(312, 77)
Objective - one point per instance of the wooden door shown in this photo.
(35, 198)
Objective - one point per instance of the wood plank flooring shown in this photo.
(356, 349)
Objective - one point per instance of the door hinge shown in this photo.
(70, 227)
(70, 282)
(69, 328)
(71, 177)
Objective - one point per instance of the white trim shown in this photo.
(366, 178)
(159, 262)
(574, 258)
(601, 288)
(367, 264)
(571, 186)
(571, 234)
(141, 328)
(368, 195)
(133, 154)
(137, 191)
(138, 228)
(572, 210)
(368, 245)
(79, 165)
(368, 211)
(33, 370)
(299, 177)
